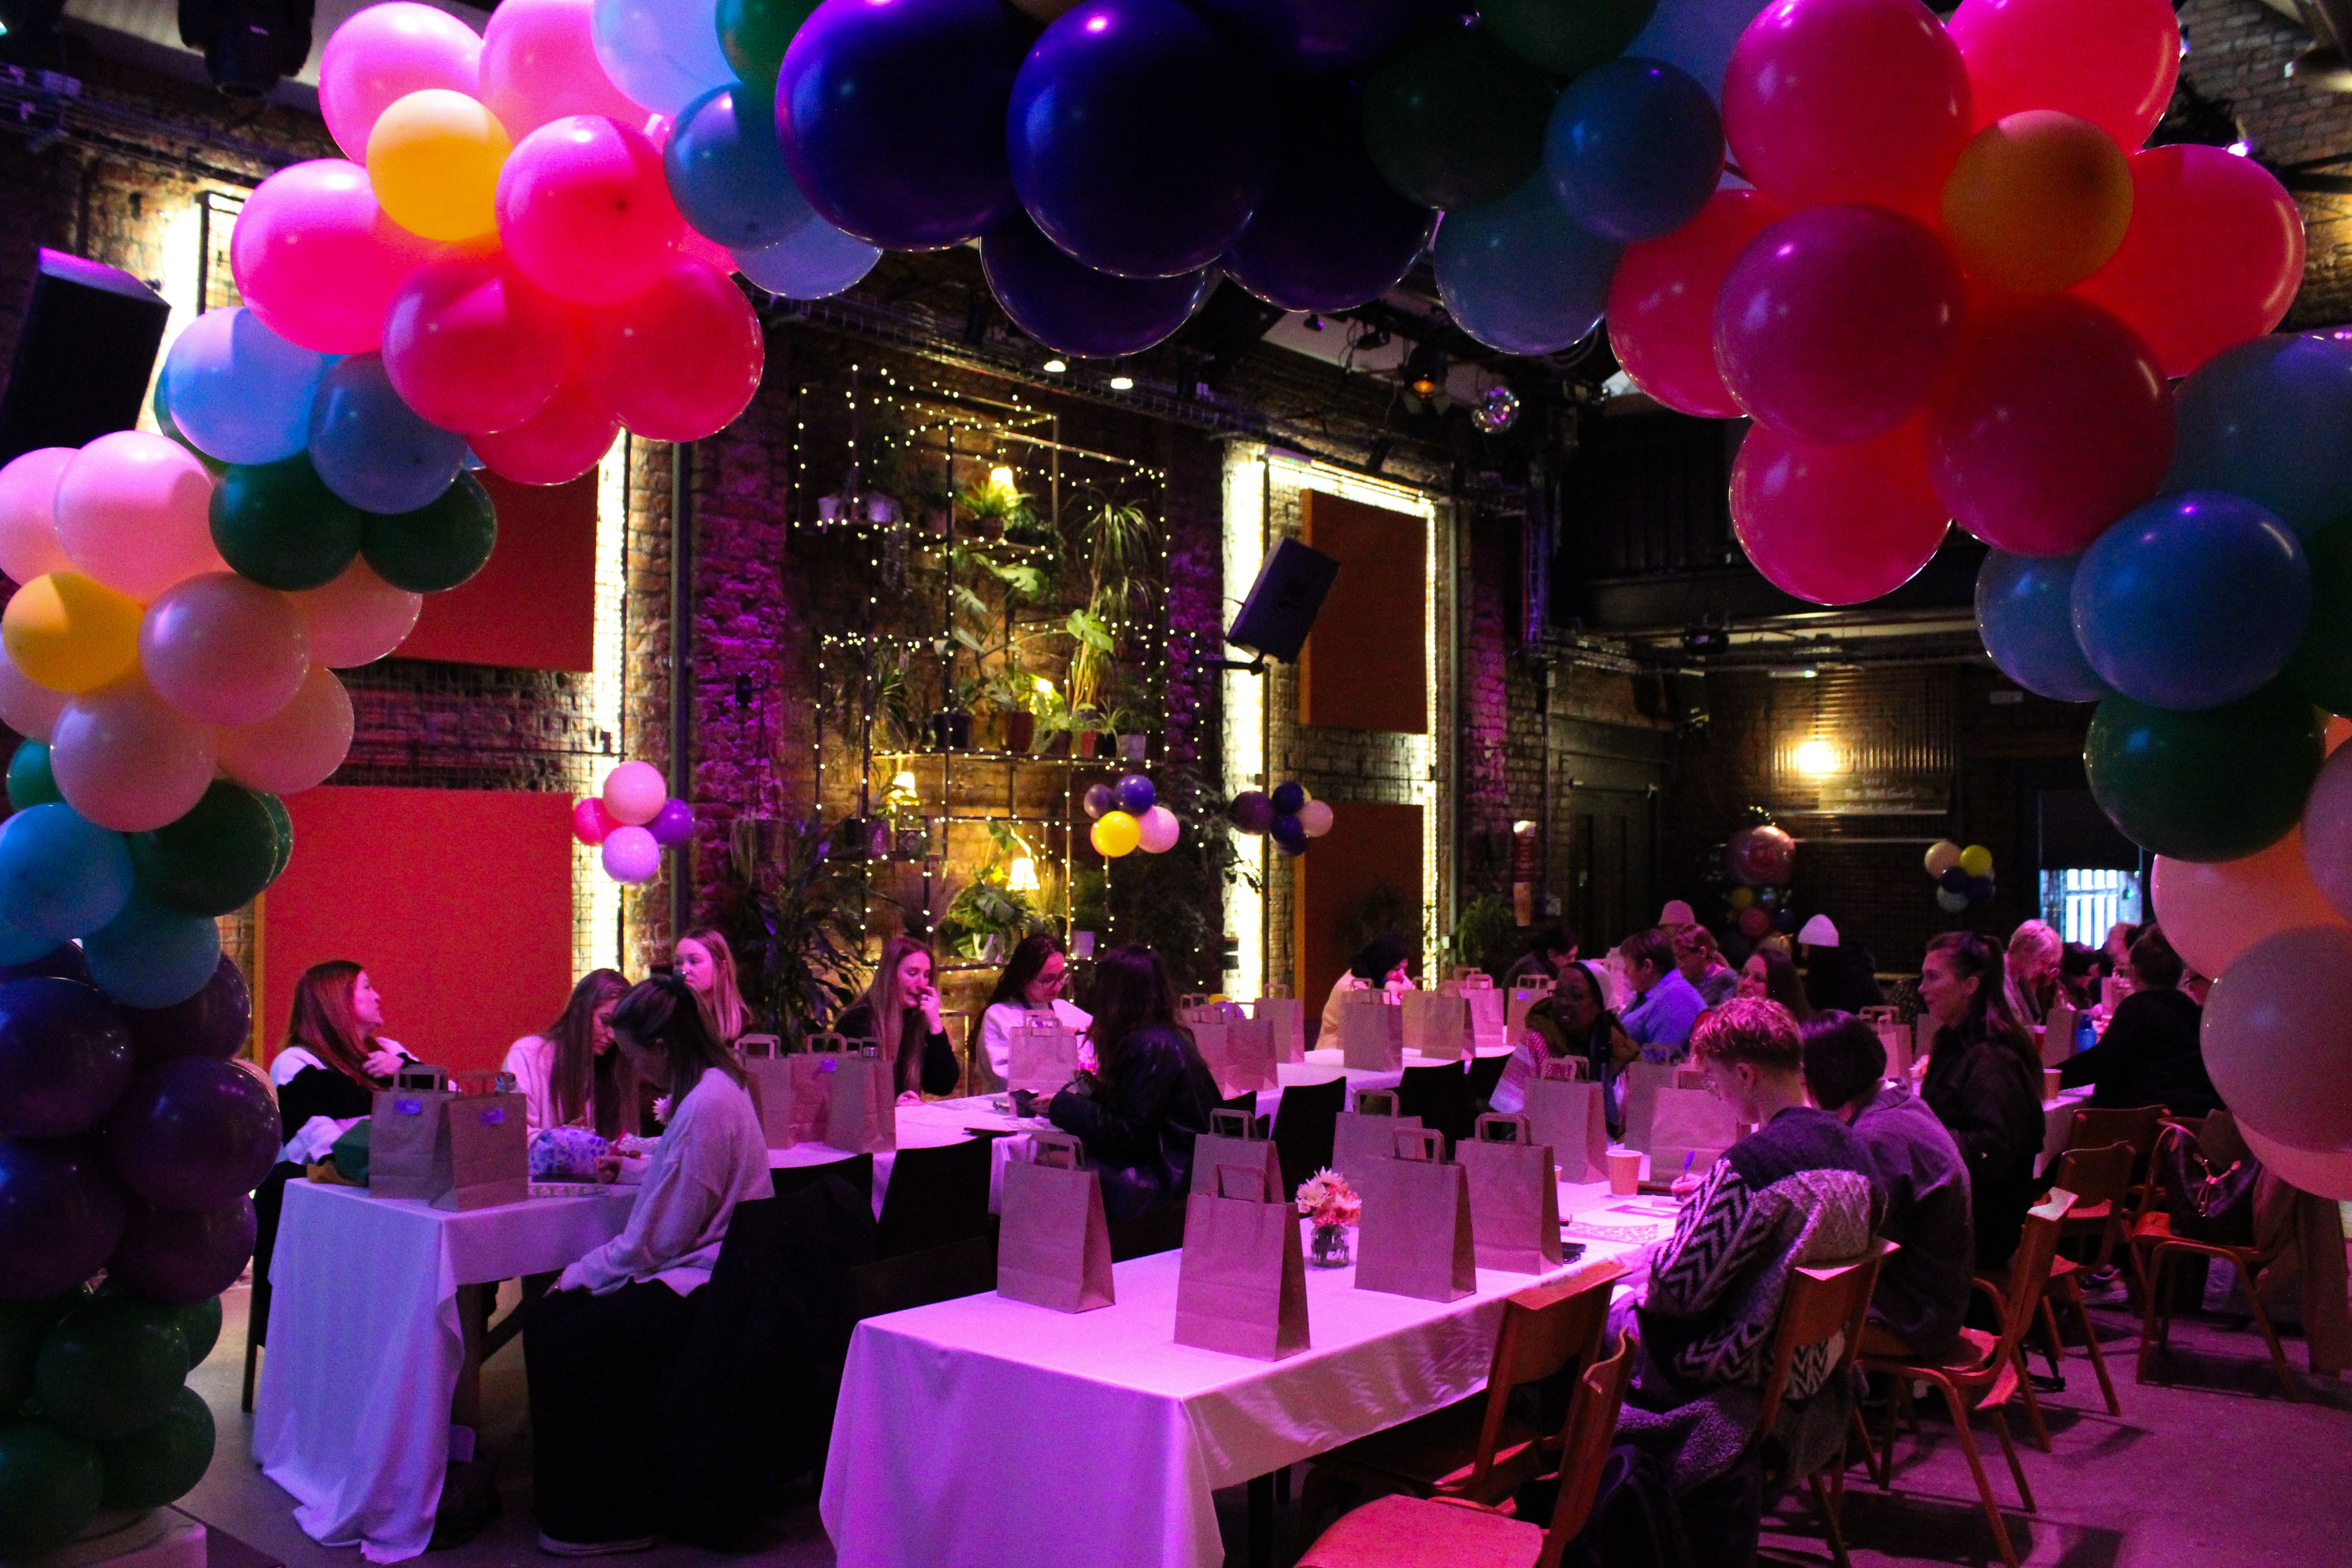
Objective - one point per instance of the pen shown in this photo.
(1688, 1154)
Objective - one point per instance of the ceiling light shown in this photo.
(1122, 383)
(1055, 366)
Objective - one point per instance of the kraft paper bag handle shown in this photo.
(1385, 1100)
(1689, 1077)
(419, 1075)
(1226, 1123)
(1514, 1129)
(1193, 999)
(1279, 990)
(1042, 1021)
(1575, 1068)
(769, 1045)
(817, 1044)
(1057, 1151)
(1425, 1145)
(1253, 1177)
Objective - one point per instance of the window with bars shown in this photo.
(2084, 905)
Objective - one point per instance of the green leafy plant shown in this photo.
(987, 906)
(794, 916)
(1485, 934)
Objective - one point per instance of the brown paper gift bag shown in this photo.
(1415, 1239)
(1044, 1055)
(1524, 997)
(407, 1125)
(1054, 1249)
(1436, 1024)
(2058, 1035)
(810, 1075)
(1234, 1139)
(1239, 1052)
(1372, 1031)
(1241, 1284)
(1689, 1127)
(1643, 1080)
(1895, 1035)
(1287, 1016)
(1570, 1113)
(1367, 1135)
(489, 1141)
(1514, 1200)
(769, 1076)
(861, 1114)
(1487, 1006)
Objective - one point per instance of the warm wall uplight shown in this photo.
(1122, 383)
(1055, 366)
(1001, 479)
(1021, 875)
(1816, 757)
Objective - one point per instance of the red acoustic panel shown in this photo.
(534, 606)
(1363, 668)
(1369, 845)
(456, 902)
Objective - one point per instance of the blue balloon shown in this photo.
(147, 956)
(1980, 889)
(1321, 35)
(662, 54)
(65, 1055)
(727, 173)
(1136, 794)
(1519, 275)
(1289, 798)
(1070, 307)
(1635, 148)
(2025, 614)
(62, 875)
(1330, 234)
(238, 390)
(816, 260)
(1141, 138)
(1954, 879)
(2270, 420)
(370, 448)
(1290, 834)
(2192, 601)
(892, 117)
(1697, 36)
(63, 960)
(25, 950)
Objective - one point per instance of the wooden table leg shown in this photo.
(466, 1401)
(1260, 1521)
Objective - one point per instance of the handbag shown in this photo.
(1367, 1135)
(1044, 1056)
(2204, 1203)
(1054, 1248)
(1240, 1284)
(1372, 1031)
(1436, 1024)
(1570, 1114)
(1286, 1015)
(861, 1114)
(1514, 1198)
(1416, 1239)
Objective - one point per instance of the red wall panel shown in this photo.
(456, 902)
(534, 607)
(1369, 844)
(1363, 668)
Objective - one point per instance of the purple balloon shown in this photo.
(63, 1056)
(1331, 233)
(1252, 812)
(1287, 797)
(1322, 35)
(64, 960)
(215, 1022)
(182, 1256)
(1289, 833)
(1098, 799)
(1070, 307)
(62, 1212)
(1136, 794)
(193, 1133)
(673, 824)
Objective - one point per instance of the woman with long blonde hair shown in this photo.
(707, 964)
(900, 1012)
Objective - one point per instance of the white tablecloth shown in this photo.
(985, 1432)
(2057, 1121)
(353, 1415)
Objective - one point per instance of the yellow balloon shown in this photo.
(1942, 856)
(71, 634)
(1116, 834)
(434, 159)
(2038, 201)
(1977, 860)
(1740, 898)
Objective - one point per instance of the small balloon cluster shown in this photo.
(1963, 877)
(128, 1142)
(632, 820)
(1760, 861)
(498, 252)
(1286, 814)
(1128, 816)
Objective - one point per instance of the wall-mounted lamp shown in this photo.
(1816, 757)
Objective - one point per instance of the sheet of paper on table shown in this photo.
(1634, 1222)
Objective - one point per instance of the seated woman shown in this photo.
(704, 960)
(1700, 958)
(1030, 986)
(1150, 1093)
(597, 1347)
(569, 1073)
(1767, 975)
(1572, 1022)
(2151, 1053)
(2080, 969)
(900, 1012)
(1984, 1083)
(2035, 957)
(332, 1060)
(1382, 964)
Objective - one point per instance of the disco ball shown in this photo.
(1497, 411)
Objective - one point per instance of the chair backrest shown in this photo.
(1247, 1103)
(1440, 1096)
(1486, 1072)
(2095, 1176)
(1545, 1328)
(1823, 1301)
(936, 1197)
(1584, 1446)
(2029, 1269)
(1305, 1124)
(2094, 1128)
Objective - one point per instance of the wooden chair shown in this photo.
(1305, 1124)
(2152, 1239)
(1472, 1449)
(1399, 1532)
(2100, 1180)
(1825, 1303)
(1985, 1369)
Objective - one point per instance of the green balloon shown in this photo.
(112, 1367)
(213, 859)
(161, 1463)
(2322, 668)
(202, 1324)
(1454, 119)
(754, 35)
(23, 1326)
(285, 825)
(438, 545)
(50, 1484)
(2212, 786)
(1566, 37)
(30, 780)
(278, 524)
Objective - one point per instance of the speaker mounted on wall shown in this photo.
(1283, 602)
(85, 351)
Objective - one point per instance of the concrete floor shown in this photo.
(2215, 1471)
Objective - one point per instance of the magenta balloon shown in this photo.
(539, 63)
(631, 855)
(317, 260)
(2278, 1036)
(214, 1022)
(383, 53)
(223, 649)
(194, 1133)
(63, 1056)
(673, 824)
(1836, 324)
(182, 1256)
(62, 1212)
(585, 213)
(2327, 832)
(126, 761)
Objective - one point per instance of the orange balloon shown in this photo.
(2211, 912)
(2339, 731)
(2037, 202)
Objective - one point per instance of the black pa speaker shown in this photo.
(84, 352)
(1283, 602)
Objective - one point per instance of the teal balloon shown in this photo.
(1566, 37)
(2269, 420)
(2322, 667)
(23, 1326)
(755, 33)
(280, 525)
(149, 956)
(284, 823)
(213, 860)
(62, 875)
(202, 1324)
(438, 545)
(50, 1484)
(1519, 275)
(1451, 118)
(163, 1462)
(2216, 784)
(30, 783)
(112, 1367)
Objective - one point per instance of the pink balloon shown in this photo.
(386, 52)
(134, 512)
(1662, 304)
(1847, 100)
(471, 347)
(591, 823)
(2211, 912)
(631, 855)
(2111, 62)
(681, 359)
(585, 212)
(28, 514)
(560, 442)
(2278, 1036)
(317, 260)
(224, 650)
(2327, 1173)
(358, 618)
(1836, 324)
(126, 760)
(1158, 830)
(26, 705)
(1836, 524)
(2055, 422)
(2326, 829)
(539, 63)
(634, 792)
(298, 746)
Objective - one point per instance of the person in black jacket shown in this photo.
(1149, 1094)
(2150, 1054)
(1984, 1083)
(904, 996)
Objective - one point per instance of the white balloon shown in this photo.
(134, 512)
(664, 53)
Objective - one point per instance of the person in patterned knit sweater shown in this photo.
(1800, 1190)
